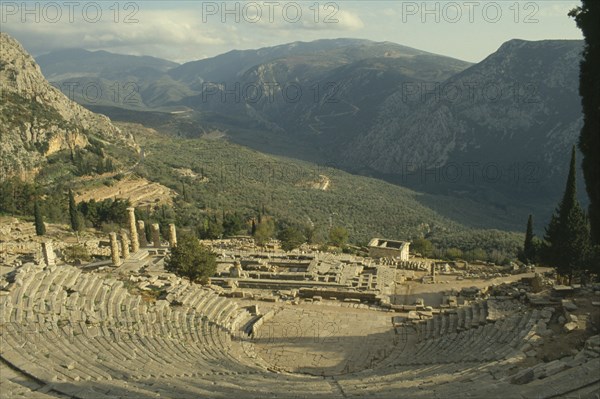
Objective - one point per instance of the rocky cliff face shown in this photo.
(516, 113)
(36, 119)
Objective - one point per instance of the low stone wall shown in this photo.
(371, 297)
(263, 318)
(281, 284)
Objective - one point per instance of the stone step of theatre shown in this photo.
(68, 333)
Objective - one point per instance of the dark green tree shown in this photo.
(309, 233)
(40, 227)
(587, 17)
(475, 254)
(105, 211)
(184, 192)
(74, 215)
(454, 253)
(191, 260)
(148, 230)
(567, 239)
(338, 236)
(422, 246)
(265, 230)
(527, 255)
(291, 238)
(210, 228)
(77, 253)
(232, 224)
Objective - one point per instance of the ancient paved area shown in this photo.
(323, 340)
(407, 293)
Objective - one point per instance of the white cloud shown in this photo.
(390, 12)
(555, 9)
(182, 32)
(154, 28)
(179, 34)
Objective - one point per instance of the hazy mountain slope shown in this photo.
(146, 82)
(497, 132)
(518, 111)
(229, 66)
(221, 176)
(70, 63)
(103, 78)
(36, 119)
(326, 97)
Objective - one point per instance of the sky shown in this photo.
(183, 31)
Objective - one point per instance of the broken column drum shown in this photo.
(114, 249)
(141, 229)
(135, 244)
(125, 245)
(48, 253)
(156, 235)
(172, 235)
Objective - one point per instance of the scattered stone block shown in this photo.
(593, 343)
(572, 318)
(546, 313)
(524, 377)
(69, 365)
(413, 315)
(570, 326)
(569, 305)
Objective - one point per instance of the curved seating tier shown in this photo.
(82, 335)
(105, 333)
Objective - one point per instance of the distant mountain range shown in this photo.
(497, 132)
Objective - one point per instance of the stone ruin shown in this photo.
(134, 241)
(48, 253)
(283, 325)
(66, 332)
(135, 244)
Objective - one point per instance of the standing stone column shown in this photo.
(172, 235)
(125, 245)
(156, 235)
(135, 244)
(114, 249)
(141, 228)
(48, 253)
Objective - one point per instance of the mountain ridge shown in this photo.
(382, 119)
(37, 119)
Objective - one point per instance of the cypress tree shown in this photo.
(184, 192)
(74, 215)
(40, 227)
(587, 16)
(567, 235)
(528, 255)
